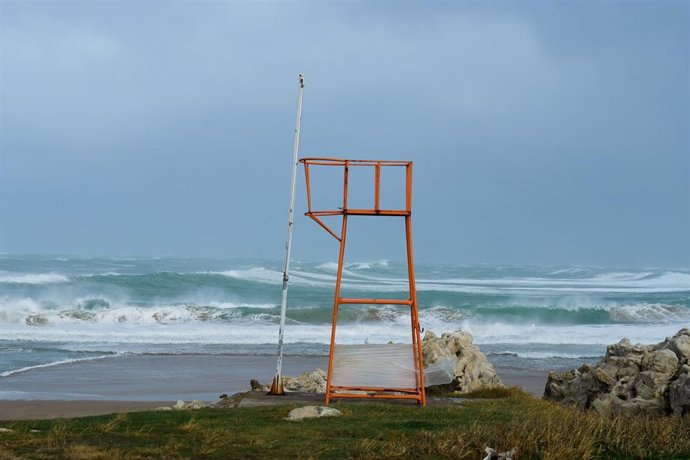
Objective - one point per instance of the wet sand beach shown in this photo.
(141, 382)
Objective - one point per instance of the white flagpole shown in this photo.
(277, 385)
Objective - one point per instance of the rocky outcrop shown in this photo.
(471, 369)
(630, 379)
(468, 368)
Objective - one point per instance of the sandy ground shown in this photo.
(36, 409)
(531, 381)
(142, 382)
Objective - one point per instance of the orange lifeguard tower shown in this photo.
(404, 382)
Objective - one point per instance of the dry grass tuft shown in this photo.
(112, 425)
(213, 441)
(544, 430)
(56, 435)
(191, 425)
(495, 392)
(86, 452)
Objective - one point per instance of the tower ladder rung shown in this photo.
(375, 301)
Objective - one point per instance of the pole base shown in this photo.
(277, 387)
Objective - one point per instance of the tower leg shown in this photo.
(414, 314)
(336, 304)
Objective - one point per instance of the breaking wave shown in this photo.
(622, 282)
(156, 299)
(107, 311)
(33, 278)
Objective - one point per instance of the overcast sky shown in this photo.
(542, 133)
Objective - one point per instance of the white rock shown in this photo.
(6, 430)
(309, 382)
(181, 405)
(313, 412)
(162, 408)
(473, 371)
(491, 454)
(195, 404)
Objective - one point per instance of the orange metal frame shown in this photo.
(332, 391)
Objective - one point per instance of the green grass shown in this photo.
(537, 428)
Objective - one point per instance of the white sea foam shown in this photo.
(540, 354)
(620, 276)
(258, 274)
(648, 312)
(616, 282)
(368, 265)
(333, 266)
(259, 332)
(601, 334)
(15, 310)
(32, 278)
(53, 364)
(354, 277)
(350, 281)
(328, 266)
(263, 275)
(568, 270)
(318, 280)
(29, 311)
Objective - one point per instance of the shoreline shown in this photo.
(125, 383)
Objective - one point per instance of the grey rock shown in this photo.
(680, 344)
(630, 379)
(257, 386)
(603, 377)
(661, 361)
(679, 393)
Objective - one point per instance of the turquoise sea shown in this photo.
(56, 309)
